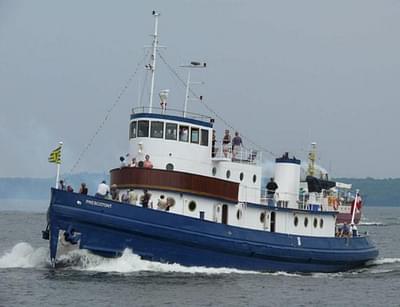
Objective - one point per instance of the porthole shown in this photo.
(315, 222)
(228, 173)
(306, 222)
(254, 178)
(262, 217)
(192, 205)
(170, 167)
(321, 223)
(239, 214)
(241, 176)
(296, 221)
(214, 171)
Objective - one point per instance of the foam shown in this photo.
(364, 223)
(386, 261)
(130, 263)
(23, 255)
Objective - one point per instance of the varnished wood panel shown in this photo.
(136, 177)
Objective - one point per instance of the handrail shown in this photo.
(238, 154)
(174, 112)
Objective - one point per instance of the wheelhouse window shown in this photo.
(184, 133)
(143, 128)
(171, 131)
(157, 130)
(204, 137)
(132, 130)
(194, 135)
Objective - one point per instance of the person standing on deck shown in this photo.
(102, 190)
(147, 162)
(133, 197)
(225, 143)
(271, 188)
(237, 143)
(83, 189)
(145, 199)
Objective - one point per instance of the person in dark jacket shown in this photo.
(145, 199)
(83, 189)
(271, 188)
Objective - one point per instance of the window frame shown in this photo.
(204, 135)
(133, 132)
(153, 130)
(139, 130)
(181, 127)
(167, 136)
(192, 129)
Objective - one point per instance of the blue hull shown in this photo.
(108, 227)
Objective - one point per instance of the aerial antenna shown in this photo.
(192, 64)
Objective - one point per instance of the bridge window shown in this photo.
(132, 130)
(184, 133)
(157, 130)
(315, 222)
(194, 135)
(171, 131)
(204, 137)
(143, 128)
(306, 222)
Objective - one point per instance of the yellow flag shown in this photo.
(55, 156)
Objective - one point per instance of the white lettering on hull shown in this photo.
(97, 203)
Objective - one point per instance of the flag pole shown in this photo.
(58, 169)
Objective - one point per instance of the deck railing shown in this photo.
(173, 112)
(239, 154)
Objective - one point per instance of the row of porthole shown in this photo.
(315, 223)
(228, 174)
(239, 214)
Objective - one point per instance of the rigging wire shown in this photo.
(145, 79)
(108, 113)
(175, 73)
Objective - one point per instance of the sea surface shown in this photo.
(26, 279)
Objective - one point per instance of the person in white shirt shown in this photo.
(103, 190)
(133, 197)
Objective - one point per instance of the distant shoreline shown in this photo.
(375, 192)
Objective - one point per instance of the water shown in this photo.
(27, 279)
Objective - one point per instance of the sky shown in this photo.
(283, 73)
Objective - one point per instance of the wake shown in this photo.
(23, 255)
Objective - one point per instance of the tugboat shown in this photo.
(187, 200)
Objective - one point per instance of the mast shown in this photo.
(153, 59)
